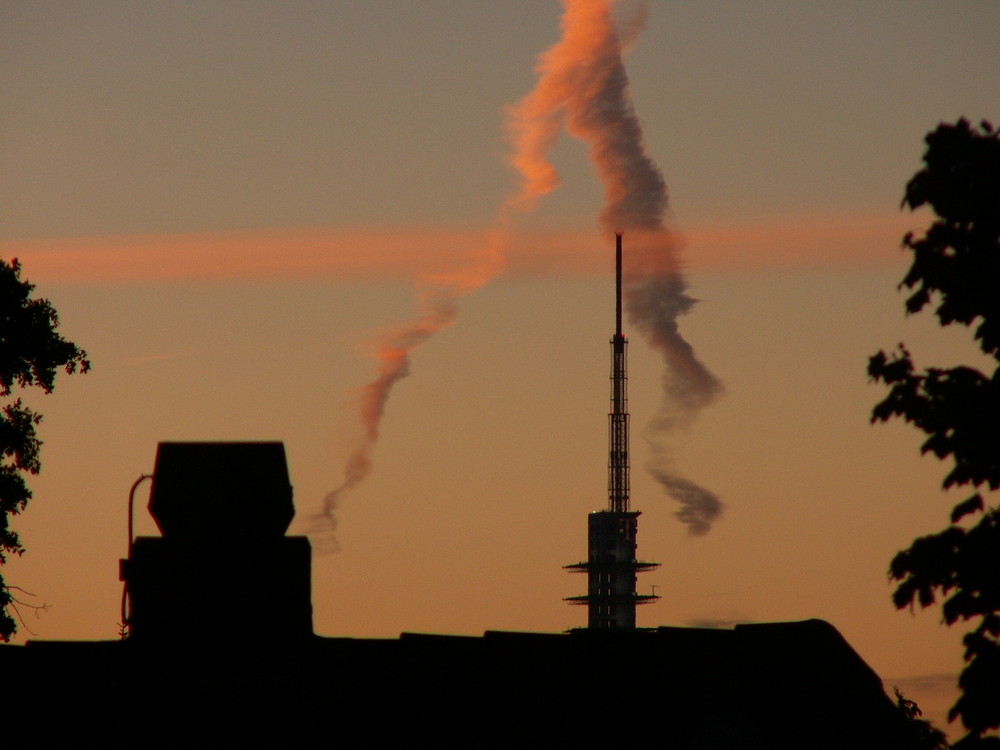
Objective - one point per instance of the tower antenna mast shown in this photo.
(618, 462)
(611, 565)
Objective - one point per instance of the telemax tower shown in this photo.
(611, 565)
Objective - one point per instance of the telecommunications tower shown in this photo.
(611, 565)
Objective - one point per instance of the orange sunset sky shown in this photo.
(226, 202)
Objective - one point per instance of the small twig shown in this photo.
(18, 588)
(12, 604)
(14, 601)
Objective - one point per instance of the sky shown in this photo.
(228, 202)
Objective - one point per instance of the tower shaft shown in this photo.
(611, 565)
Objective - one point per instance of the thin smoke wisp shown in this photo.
(438, 297)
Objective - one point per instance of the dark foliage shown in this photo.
(956, 266)
(31, 353)
(924, 736)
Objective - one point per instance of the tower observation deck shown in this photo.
(611, 565)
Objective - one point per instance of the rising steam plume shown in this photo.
(582, 88)
(438, 297)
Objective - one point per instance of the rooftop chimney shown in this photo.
(223, 567)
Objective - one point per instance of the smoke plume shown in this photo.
(438, 295)
(583, 87)
(393, 354)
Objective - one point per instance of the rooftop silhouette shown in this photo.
(222, 650)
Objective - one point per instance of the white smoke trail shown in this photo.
(583, 87)
(438, 297)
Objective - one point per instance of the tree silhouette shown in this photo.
(956, 266)
(923, 734)
(31, 352)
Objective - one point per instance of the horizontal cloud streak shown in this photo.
(409, 252)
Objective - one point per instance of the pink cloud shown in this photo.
(406, 253)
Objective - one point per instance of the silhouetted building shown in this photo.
(222, 510)
(236, 666)
(611, 565)
(780, 686)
